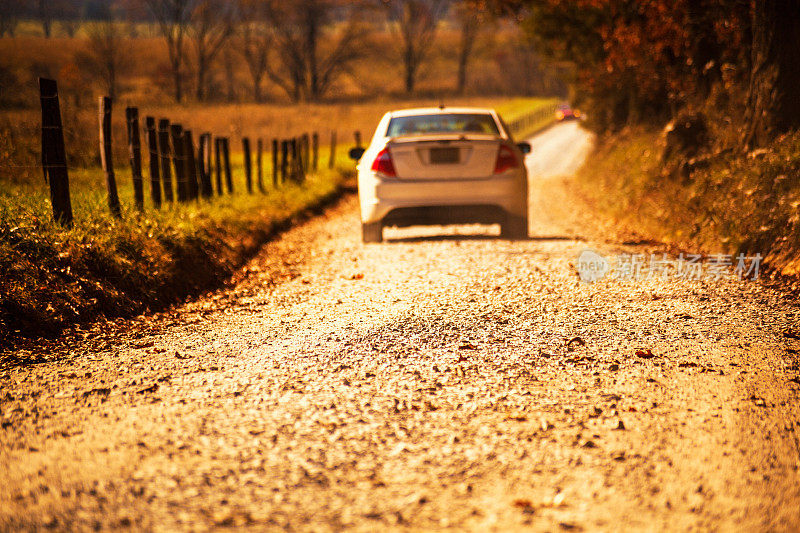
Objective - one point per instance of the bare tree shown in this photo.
(300, 28)
(105, 55)
(416, 21)
(44, 12)
(256, 38)
(69, 17)
(291, 75)
(172, 17)
(210, 26)
(70, 26)
(9, 17)
(230, 73)
(470, 16)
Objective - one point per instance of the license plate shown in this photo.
(444, 156)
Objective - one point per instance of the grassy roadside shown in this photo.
(519, 107)
(55, 277)
(731, 203)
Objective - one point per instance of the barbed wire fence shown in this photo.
(529, 122)
(171, 150)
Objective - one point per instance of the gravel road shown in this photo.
(443, 379)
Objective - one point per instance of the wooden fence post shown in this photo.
(54, 157)
(299, 174)
(164, 155)
(284, 159)
(357, 135)
(209, 163)
(248, 168)
(218, 159)
(332, 159)
(293, 153)
(204, 158)
(226, 152)
(106, 156)
(315, 151)
(176, 132)
(191, 164)
(275, 167)
(305, 153)
(152, 147)
(260, 164)
(135, 155)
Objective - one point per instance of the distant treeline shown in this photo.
(303, 50)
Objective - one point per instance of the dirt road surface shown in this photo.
(443, 379)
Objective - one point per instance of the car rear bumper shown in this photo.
(401, 202)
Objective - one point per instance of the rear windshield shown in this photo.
(450, 123)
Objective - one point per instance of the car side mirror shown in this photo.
(525, 148)
(356, 153)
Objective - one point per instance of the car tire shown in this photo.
(515, 227)
(372, 232)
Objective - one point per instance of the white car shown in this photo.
(442, 165)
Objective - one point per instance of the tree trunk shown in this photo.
(45, 17)
(311, 54)
(201, 78)
(411, 71)
(178, 87)
(469, 31)
(229, 75)
(257, 96)
(773, 107)
(463, 58)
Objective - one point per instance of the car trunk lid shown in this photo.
(444, 156)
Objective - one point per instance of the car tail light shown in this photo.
(506, 160)
(383, 163)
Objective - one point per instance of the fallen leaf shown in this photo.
(523, 503)
(151, 388)
(103, 391)
(576, 340)
(758, 401)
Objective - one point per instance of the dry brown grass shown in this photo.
(737, 204)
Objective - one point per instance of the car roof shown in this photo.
(440, 111)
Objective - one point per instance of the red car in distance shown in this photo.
(565, 112)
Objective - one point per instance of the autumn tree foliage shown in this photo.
(643, 60)
(639, 61)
